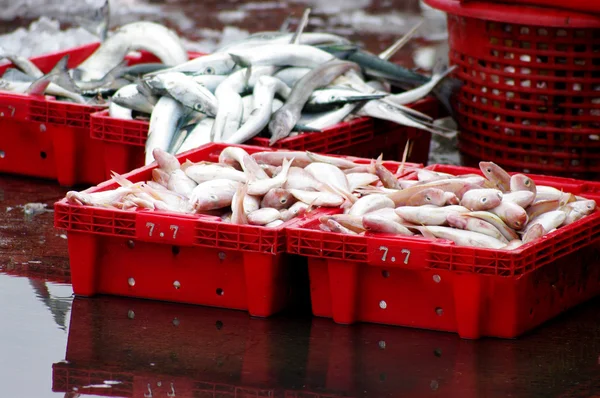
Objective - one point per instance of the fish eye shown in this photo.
(283, 201)
(483, 200)
(209, 70)
(198, 107)
(213, 197)
(332, 98)
(427, 198)
(489, 170)
(518, 223)
(527, 183)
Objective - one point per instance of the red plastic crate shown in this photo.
(241, 267)
(530, 99)
(412, 281)
(573, 5)
(48, 138)
(364, 137)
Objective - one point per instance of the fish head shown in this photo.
(77, 198)
(278, 198)
(206, 200)
(520, 182)
(516, 217)
(165, 160)
(281, 125)
(583, 206)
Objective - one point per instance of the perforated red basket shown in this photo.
(531, 98)
(195, 259)
(363, 137)
(415, 282)
(48, 138)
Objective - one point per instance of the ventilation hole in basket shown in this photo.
(509, 55)
(130, 244)
(439, 311)
(510, 95)
(176, 285)
(385, 274)
(2, 154)
(494, 40)
(510, 119)
(525, 108)
(531, 312)
(526, 83)
(525, 58)
(175, 250)
(542, 32)
(579, 33)
(579, 48)
(561, 33)
(595, 61)
(495, 53)
(175, 322)
(219, 325)
(541, 46)
(579, 62)
(509, 82)
(131, 282)
(219, 291)
(525, 44)
(43, 155)
(484, 126)
(495, 78)
(560, 85)
(470, 60)
(540, 135)
(437, 352)
(508, 42)
(558, 60)
(562, 47)
(492, 26)
(596, 73)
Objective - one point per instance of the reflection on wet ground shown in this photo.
(110, 346)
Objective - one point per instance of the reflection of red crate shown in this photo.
(415, 282)
(364, 137)
(49, 138)
(203, 352)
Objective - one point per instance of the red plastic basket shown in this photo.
(411, 281)
(531, 94)
(572, 5)
(48, 138)
(364, 137)
(143, 253)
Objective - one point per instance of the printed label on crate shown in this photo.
(164, 229)
(401, 253)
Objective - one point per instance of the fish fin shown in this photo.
(98, 23)
(301, 26)
(60, 75)
(39, 86)
(240, 60)
(122, 181)
(404, 156)
(393, 49)
(285, 26)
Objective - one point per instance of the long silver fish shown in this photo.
(264, 92)
(281, 55)
(142, 35)
(129, 97)
(163, 123)
(229, 117)
(288, 115)
(190, 94)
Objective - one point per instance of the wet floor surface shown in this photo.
(54, 345)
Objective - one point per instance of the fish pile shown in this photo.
(493, 211)
(271, 83)
(265, 188)
(104, 72)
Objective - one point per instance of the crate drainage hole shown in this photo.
(220, 291)
(130, 244)
(175, 250)
(131, 282)
(219, 325)
(43, 155)
(2, 154)
(175, 322)
(176, 284)
(439, 311)
(437, 352)
(382, 344)
(382, 304)
(437, 278)
(385, 274)
(130, 314)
